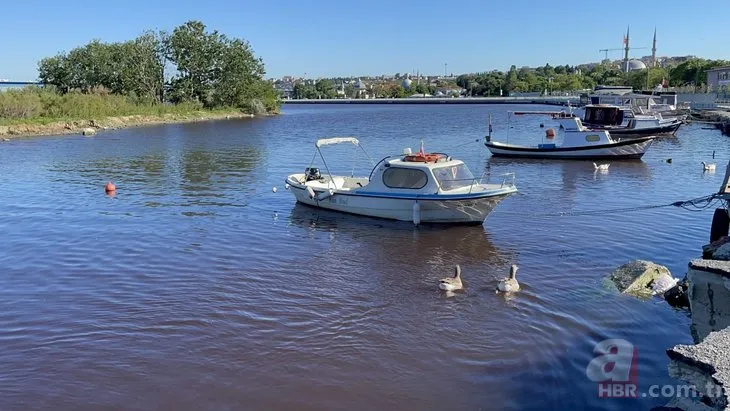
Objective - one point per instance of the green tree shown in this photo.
(196, 56)
(325, 89)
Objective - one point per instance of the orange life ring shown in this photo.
(550, 133)
(422, 158)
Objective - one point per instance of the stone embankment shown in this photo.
(720, 118)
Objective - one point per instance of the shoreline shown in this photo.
(76, 127)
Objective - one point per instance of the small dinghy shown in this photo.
(421, 187)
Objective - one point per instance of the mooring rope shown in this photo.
(695, 204)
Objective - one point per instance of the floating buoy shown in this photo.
(273, 189)
(110, 187)
(669, 160)
(286, 186)
(310, 191)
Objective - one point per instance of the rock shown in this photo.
(4, 130)
(709, 250)
(677, 296)
(722, 253)
(88, 132)
(636, 278)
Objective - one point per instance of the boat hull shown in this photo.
(471, 210)
(622, 150)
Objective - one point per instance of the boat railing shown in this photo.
(507, 180)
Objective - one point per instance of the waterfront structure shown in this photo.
(718, 77)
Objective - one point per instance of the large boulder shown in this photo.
(637, 277)
(717, 250)
(88, 131)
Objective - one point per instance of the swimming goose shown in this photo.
(708, 166)
(601, 167)
(452, 283)
(509, 284)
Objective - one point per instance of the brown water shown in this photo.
(197, 288)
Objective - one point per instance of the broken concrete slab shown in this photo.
(709, 296)
(706, 366)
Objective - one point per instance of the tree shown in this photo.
(303, 90)
(325, 89)
(55, 71)
(195, 55)
(510, 81)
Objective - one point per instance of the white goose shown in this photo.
(601, 167)
(509, 284)
(708, 166)
(452, 283)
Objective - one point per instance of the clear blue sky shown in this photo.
(331, 38)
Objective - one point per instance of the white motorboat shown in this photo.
(578, 143)
(646, 102)
(613, 118)
(421, 187)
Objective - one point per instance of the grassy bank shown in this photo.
(43, 111)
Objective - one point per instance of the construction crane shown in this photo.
(621, 49)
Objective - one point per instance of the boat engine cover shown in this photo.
(312, 173)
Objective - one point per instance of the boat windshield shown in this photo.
(453, 177)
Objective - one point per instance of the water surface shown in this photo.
(195, 287)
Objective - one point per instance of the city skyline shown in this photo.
(332, 39)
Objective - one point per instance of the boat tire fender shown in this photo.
(720, 224)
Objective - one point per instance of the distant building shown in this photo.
(718, 77)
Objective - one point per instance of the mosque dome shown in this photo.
(407, 83)
(636, 65)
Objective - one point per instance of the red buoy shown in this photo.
(110, 187)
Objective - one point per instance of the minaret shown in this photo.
(626, 50)
(653, 50)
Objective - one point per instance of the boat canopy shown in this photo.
(336, 140)
(604, 115)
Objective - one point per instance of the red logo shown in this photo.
(615, 369)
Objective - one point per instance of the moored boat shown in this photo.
(612, 118)
(421, 187)
(578, 143)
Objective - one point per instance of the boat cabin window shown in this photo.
(453, 177)
(413, 178)
(608, 116)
